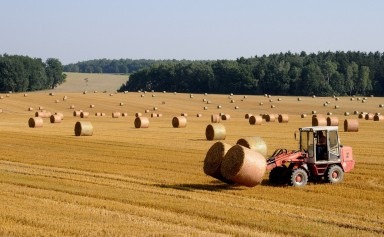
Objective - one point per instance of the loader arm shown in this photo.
(282, 156)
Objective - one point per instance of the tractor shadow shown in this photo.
(215, 186)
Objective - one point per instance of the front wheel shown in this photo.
(299, 178)
(334, 174)
(278, 175)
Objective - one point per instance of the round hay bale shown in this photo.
(215, 131)
(261, 103)
(369, 116)
(337, 107)
(299, 99)
(314, 112)
(30, 109)
(381, 105)
(25, 95)
(116, 114)
(319, 121)
(355, 112)
(155, 108)
(124, 114)
(245, 97)
(329, 113)
(215, 118)
(219, 106)
(209, 102)
(42, 114)
(179, 122)
(60, 114)
(121, 103)
(247, 116)
(57, 101)
(72, 107)
(137, 114)
(97, 114)
(65, 97)
(255, 120)
(270, 117)
(199, 115)
(279, 99)
(141, 122)
(236, 107)
(204, 100)
(153, 95)
(83, 128)
(270, 100)
(213, 160)
(159, 115)
(283, 118)
(153, 115)
(205, 108)
(84, 114)
(254, 143)
(303, 115)
(225, 117)
(142, 95)
(351, 125)
(146, 111)
(91, 106)
(41, 107)
(273, 106)
(102, 114)
(243, 166)
(378, 117)
(35, 122)
(346, 113)
(332, 121)
(85, 92)
(55, 119)
(77, 113)
(184, 114)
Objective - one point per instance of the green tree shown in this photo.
(54, 71)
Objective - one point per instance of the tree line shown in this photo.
(322, 74)
(22, 73)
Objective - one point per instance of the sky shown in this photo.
(79, 30)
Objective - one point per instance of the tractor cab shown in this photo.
(320, 143)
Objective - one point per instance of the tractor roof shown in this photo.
(320, 128)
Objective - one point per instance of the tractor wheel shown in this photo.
(278, 175)
(299, 178)
(334, 174)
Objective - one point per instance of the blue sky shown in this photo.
(78, 30)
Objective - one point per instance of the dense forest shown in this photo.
(22, 73)
(323, 74)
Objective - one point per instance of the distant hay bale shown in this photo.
(205, 108)
(35, 122)
(60, 114)
(213, 160)
(283, 118)
(199, 115)
(57, 101)
(255, 120)
(337, 107)
(381, 105)
(270, 117)
(77, 113)
(355, 112)
(233, 101)
(273, 106)
(204, 100)
(30, 109)
(65, 97)
(299, 99)
(219, 106)
(351, 125)
(245, 97)
(346, 113)
(83, 128)
(313, 96)
(352, 99)
(72, 107)
(153, 115)
(314, 112)
(155, 108)
(55, 119)
(137, 114)
(84, 114)
(378, 117)
(42, 114)
(116, 114)
(215, 131)
(243, 166)
(246, 116)
(141, 122)
(124, 114)
(209, 102)
(51, 93)
(159, 115)
(261, 103)
(85, 92)
(369, 116)
(303, 115)
(279, 99)
(184, 114)
(255, 143)
(146, 111)
(41, 107)
(319, 121)
(97, 114)
(332, 121)
(142, 95)
(153, 95)
(329, 113)
(225, 117)
(215, 118)
(179, 122)
(91, 106)
(25, 95)
(191, 96)
(236, 107)
(111, 94)
(270, 100)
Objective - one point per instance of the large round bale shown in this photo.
(243, 166)
(254, 143)
(319, 121)
(270, 117)
(42, 114)
(84, 114)
(369, 116)
(116, 114)
(179, 122)
(215, 118)
(332, 121)
(255, 120)
(351, 125)
(215, 131)
(83, 128)
(213, 159)
(225, 117)
(55, 118)
(141, 122)
(35, 122)
(283, 118)
(378, 117)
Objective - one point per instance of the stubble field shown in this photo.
(124, 181)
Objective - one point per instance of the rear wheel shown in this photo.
(334, 174)
(278, 175)
(299, 178)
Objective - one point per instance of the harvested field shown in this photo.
(139, 182)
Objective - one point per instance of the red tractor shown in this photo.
(320, 155)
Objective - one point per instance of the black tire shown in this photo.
(334, 174)
(299, 178)
(278, 175)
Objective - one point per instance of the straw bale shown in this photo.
(91, 106)
(319, 121)
(42, 114)
(137, 114)
(261, 103)
(254, 143)
(60, 114)
(213, 159)
(199, 115)
(84, 114)
(153, 115)
(283, 118)
(124, 114)
(346, 113)
(378, 117)
(236, 107)
(332, 121)
(215, 131)
(30, 109)
(255, 120)
(77, 113)
(35, 122)
(159, 115)
(225, 117)
(351, 125)
(270, 117)
(243, 166)
(184, 114)
(55, 119)
(116, 114)
(303, 115)
(83, 128)
(141, 122)
(369, 116)
(179, 122)
(215, 118)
